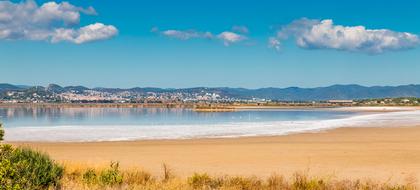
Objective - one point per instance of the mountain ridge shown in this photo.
(338, 91)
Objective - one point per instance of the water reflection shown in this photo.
(38, 116)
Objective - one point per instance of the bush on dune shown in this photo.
(23, 168)
(111, 176)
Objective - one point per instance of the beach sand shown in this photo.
(391, 153)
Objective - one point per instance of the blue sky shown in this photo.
(181, 43)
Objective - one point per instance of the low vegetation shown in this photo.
(23, 168)
(113, 177)
(403, 101)
(19, 174)
(1, 132)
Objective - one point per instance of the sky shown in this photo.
(218, 43)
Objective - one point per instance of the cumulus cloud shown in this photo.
(324, 34)
(227, 37)
(92, 32)
(51, 21)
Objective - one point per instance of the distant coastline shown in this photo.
(198, 106)
(79, 94)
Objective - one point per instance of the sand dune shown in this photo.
(378, 153)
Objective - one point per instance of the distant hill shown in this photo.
(334, 92)
(76, 89)
(55, 88)
(285, 94)
(6, 87)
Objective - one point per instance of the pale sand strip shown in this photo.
(378, 153)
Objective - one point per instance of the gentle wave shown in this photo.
(226, 130)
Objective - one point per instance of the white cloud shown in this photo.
(227, 37)
(93, 32)
(324, 34)
(28, 21)
(230, 37)
(185, 35)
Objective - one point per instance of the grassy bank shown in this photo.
(22, 168)
(112, 177)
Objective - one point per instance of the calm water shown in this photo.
(108, 124)
(53, 117)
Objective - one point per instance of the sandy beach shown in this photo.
(376, 153)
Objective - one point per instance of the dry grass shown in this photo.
(111, 177)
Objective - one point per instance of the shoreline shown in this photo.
(363, 117)
(210, 139)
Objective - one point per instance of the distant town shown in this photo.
(78, 94)
(13, 94)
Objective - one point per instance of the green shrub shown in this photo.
(1, 132)
(23, 168)
(111, 176)
(90, 176)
